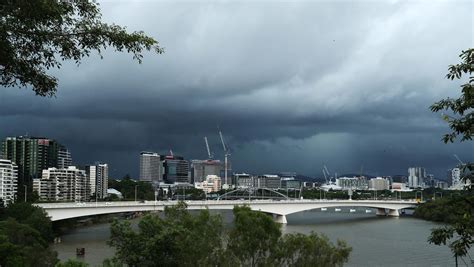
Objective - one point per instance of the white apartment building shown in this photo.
(8, 180)
(98, 176)
(456, 178)
(69, 184)
(379, 183)
(457, 182)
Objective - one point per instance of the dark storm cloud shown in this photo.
(292, 85)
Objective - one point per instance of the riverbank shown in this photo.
(446, 210)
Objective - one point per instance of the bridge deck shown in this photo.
(61, 211)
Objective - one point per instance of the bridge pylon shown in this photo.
(280, 219)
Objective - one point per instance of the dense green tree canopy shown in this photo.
(21, 245)
(182, 239)
(127, 186)
(38, 35)
(25, 233)
(34, 217)
(177, 239)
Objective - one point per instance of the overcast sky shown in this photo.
(293, 86)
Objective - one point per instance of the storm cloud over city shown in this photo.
(292, 86)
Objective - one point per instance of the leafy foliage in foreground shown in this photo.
(38, 35)
(181, 239)
(462, 123)
(461, 227)
(458, 213)
(25, 232)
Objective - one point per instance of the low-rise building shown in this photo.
(271, 181)
(242, 180)
(352, 183)
(8, 180)
(290, 184)
(400, 187)
(212, 183)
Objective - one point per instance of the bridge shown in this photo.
(278, 208)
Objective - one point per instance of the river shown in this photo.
(376, 241)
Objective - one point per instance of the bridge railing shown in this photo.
(213, 202)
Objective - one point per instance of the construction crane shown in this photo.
(226, 155)
(460, 161)
(328, 174)
(325, 177)
(209, 154)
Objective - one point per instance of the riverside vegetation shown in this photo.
(178, 238)
(181, 239)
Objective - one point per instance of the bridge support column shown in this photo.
(281, 219)
(393, 213)
(381, 212)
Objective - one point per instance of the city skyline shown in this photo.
(292, 87)
(154, 172)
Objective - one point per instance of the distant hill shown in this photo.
(304, 178)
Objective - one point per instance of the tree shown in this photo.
(181, 239)
(311, 250)
(33, 216)
(127, 187)
(38, 35)
(71, 263)
(253, 240)
(256, 240)
(461, 123)
(21, 245)
(177, 239)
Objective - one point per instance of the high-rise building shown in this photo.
(200, 169)
(456, 178)
(151, 167)
(176, 170)
(8, 180)
(98, 175)
(64, 158)
(70, 184)
(416, 177)
(32, 155)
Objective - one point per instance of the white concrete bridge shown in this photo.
(62, 211)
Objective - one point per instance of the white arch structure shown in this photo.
(62, 211)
